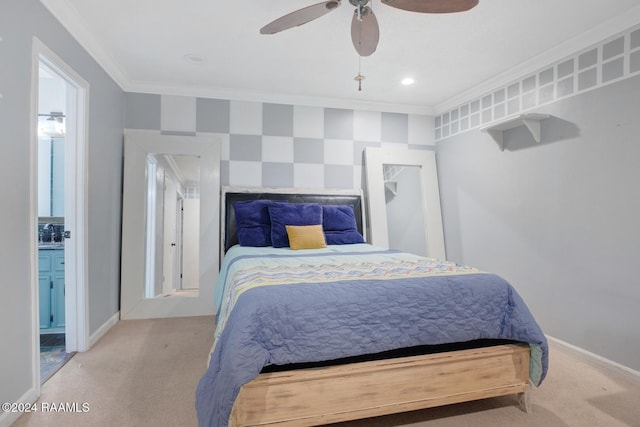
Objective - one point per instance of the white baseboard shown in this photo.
(596, 360)
(8, 418)
(110, 323)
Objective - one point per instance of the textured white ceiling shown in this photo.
(142, 44)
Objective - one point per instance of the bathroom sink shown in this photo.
(51, 245)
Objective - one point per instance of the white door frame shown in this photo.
(76, 296)
(179, 241)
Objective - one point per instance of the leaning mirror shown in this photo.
(169, 226)
(404, 201)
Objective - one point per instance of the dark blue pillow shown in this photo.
(339, 225)
(253, 223)
(283, 214)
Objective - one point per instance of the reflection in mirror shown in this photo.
(50, 176)
(172, 224)
(404, 201)
(405, 216)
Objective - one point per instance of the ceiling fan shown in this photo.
(365, 32)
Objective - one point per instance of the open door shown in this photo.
(59, 97)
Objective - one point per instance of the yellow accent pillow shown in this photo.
(306, 236)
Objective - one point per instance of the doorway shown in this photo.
(58, 210)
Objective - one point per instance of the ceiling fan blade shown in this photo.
(365, 32)
(432, 6)
(300, 16)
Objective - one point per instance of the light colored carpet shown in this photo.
(141, 373)
(144, 373)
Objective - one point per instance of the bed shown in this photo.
(332, 333)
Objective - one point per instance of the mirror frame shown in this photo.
(374, 160)
(133, 304)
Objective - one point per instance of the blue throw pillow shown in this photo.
(253, 222)
(339, 224)
(283, 214)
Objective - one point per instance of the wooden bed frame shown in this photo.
(319, 396)
(330, 394)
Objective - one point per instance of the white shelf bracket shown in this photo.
(392, 186)
(534, 128)
(498, 137)
(531, 121)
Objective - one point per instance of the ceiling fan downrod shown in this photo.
(359, 4)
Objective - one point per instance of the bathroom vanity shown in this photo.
(51, 286)
(51, 277)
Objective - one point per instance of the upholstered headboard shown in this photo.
(230, 195)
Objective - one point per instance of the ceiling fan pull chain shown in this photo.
(359, 78)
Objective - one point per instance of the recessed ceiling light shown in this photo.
(407, 81)
(195, 59)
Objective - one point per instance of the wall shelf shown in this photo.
(392, 186)
(530, 120)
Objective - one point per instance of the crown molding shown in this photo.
(71, 20)
(279, 98)
(588, 39)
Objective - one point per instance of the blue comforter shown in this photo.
(278, 306)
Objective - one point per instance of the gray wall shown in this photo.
(19, 22)
(558, 219)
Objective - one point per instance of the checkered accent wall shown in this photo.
(607, 62)
(277, 145)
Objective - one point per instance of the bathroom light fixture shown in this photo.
(51, 124)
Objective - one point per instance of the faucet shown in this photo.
(49, 230)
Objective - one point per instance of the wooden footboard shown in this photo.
(326, 395)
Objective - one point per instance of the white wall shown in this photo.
(558, 219)
(19, 22)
